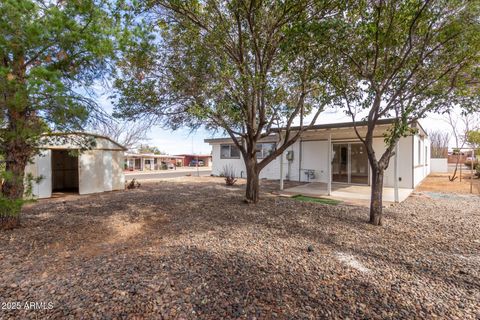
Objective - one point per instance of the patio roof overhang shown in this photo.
(333, 131)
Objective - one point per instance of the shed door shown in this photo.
(107, 170)
(91, 172)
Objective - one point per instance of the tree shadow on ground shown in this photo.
(200, 247)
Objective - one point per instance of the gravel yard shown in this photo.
(190, 248)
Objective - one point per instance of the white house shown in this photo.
(308, 158)
(97, 169)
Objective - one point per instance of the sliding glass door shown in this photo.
(349, 163)
(340, 163)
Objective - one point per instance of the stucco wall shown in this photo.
(271, 171)
(315, 157)
(219, 165)
(405, 177)
(439, 165)
(421, 159)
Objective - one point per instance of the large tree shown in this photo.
(461, 123)
(439, 141)
(50, 51)
(129, 134)
(242, 66)
(403, 59)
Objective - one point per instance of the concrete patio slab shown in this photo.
(348, 193)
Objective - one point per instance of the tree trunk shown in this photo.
(252, 191)
(376, 214)
(13, 184)
(454, 176)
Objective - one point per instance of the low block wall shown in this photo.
(439, 165)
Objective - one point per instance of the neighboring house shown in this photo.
(191, 160)
(95, 170)
(150, 161)
(308, 158)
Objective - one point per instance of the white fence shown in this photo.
(439, 165)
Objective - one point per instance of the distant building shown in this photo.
(151, 162)
(204, 160)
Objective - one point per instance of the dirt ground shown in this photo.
(190, 248)
(439, 182)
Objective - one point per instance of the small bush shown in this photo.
(133, 184)
(229, 174)
(10, 212)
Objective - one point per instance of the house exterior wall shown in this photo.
(219, 165)
(404, 162)
(421, 158)
(313, 155)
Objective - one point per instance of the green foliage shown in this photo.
(51, 54)
(10, 207)
(473, 138)
(223, 65)
(50, 51)
(406, 59)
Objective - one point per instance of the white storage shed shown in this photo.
(63, 168)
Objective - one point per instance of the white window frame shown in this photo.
(262, 153)
(231, 146)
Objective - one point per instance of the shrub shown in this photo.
(229, 174)
(10, 212)
(133, 184)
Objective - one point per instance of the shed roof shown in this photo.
(66, 144)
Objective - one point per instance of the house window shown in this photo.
(229, 151)
(426, 152)
(265, 149)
